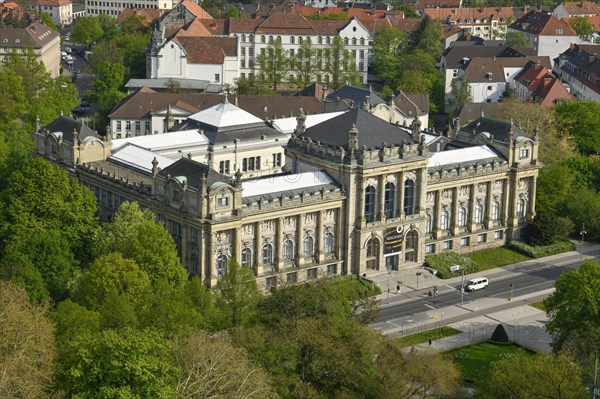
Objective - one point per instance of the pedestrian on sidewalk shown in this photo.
(398, 289)
(430, 342)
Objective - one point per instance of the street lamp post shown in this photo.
(418, 274)
(582, 238)
(388, 286)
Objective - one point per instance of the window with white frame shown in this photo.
(498, 235)
(267, 254)
(479, 213)
(496, 210)
(311, 273)
(447, 245)
(246, 257)
(430, 248)
(118, 126)
(222, 201)
(309, 246)
(444, 220)
(428, 224)
(462, 216)
(288, 250)
(524, 153)
(521, 208)
(481, 238)
(138, 126)
(221, 265)
(464, 241)
(328, 243)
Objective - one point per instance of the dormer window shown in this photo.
(175, 195)
(524, 152)
(223, 202)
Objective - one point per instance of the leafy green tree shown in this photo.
(233, 12)
(461, 91)
(516, 40)
(305, 63)
(47, 20)
(27, 346)
(106, 93)
(110, 28)
(40, 195)
(573, 308)
(409, 12)
(273, 64)
(546, 228)
(112, 272)
(72, 321)
(212, 367)
(582, 26)
(430, 38)
(581, 120)
(389, 45)
(87, 31)
(582, 207)
(137, 235)
(12, 97)
(17, 268)
(116, 311)
(236, 296)
(107, 51)
(538, 376)
(134, 46)
(339, 65)
(125, 363)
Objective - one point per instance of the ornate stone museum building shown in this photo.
(356, 194)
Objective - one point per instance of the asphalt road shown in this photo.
(525, 280)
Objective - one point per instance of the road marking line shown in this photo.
(450, 287)
(429, 306)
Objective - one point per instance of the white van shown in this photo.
(476, 284)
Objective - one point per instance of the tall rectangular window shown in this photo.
(370, 204)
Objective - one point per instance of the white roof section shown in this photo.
(430, 138)
(157, 142)
(461, 155)
(275, 184)
(139, 158)
(288, 125)
(225, 115)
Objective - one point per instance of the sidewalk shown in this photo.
(477, 319)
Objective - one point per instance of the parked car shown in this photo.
(68, 50)
(70, 60)
(67, 38)
(63, 55)
(79, 111)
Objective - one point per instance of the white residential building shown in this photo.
(61, 11)
(579, 67)
(576, 9)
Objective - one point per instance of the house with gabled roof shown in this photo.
(61, 11)
(536, 83)
(576, 9)
(546, 34)
(489, 23)
(579, 67)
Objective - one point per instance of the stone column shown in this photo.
(472, 202)
(513, 198)
(319, 255)
(360, 203)
(300, 238)
(279, 245)
(203, 246)
(454, 212)
(437, 211)
(258, 265)
(381, 197)
(211, 272)
(489, 199)
(338, 233)
(400, 202)
(237, 244)
(422, 187)
(532, 193)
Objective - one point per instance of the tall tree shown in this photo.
(582, 26)
(87, 31)
(430, 38)
(211, 367)
(581, 120)
(461, 92)
(305, 63)
(126, 363)
(236, 295)
(339, 64)
(538, 376)
(389, 45)
(516, 40)
(574, 308)
(27, 348)
(106, 93)
(137, 235)
(273, 64)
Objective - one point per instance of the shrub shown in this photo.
(499, 334)
(546, 228)
(539, 251)
(442, 263)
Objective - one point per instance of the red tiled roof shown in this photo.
(542, 24)
(195, 9)
(581, 8)
(195, 28)
(149, 14)
(482, 13)
(285, 23)
(543, 84)
(46, 3)
(595, 21)
(207, 50)
(421, 5)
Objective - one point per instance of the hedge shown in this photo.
(539, 251)
(442, 262)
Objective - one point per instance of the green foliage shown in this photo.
(461, 92)
(333, 16)
(107, 93)
(430, 38)
(388, 47)
(539, 376)
(339, 65)
(18, 268)
(126, 363)
(443, 261)
(581, 120)
(138, 236)
(540, 251)
(72, 321)
(552, 196)
(236, 296)
(583, 206)
(496, 257)
(516, 40)
(573, 308)
(409, 12)
(273, 64)
(582, 26)
(499, 334)
(545, 229)
(305, 63)
(87, 31)
(233, 12)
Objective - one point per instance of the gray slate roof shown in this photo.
(498, 128)
(66, 125)
(356, 94)
(373, 131)
(194, 171)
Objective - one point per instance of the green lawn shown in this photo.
(424, 336)
(538, 305)
(474, 360)
(496, 257)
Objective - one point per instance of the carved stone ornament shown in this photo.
(447, 194)
(498, 185)
(464, 191)
(430, 197)
(522, 184)
(481, 187)
(289, 223)
(248, 230)
(269, 226)
(309, 219)
(330, 216)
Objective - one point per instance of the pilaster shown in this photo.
(258, 265)
(437, 211)
(454, 212)
(320, 256)
(279, 245)
(300, 238)
(472, 202)
(381, 197)
(489, 198)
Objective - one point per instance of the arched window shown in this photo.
(320, 40)
(288, 250)
(412, 245)
(328, 40)
(496, 210)
(444, 220)
(362, 41)
(309, 246)
(221, 265)
(389, 201)
(346, 41)
(372, 253)
(521, 208)
(479, 213)
(462, 216)
(270, 39)
(354, 41)
(292, 40)
(409, 197)
(370, 204)
(246, 257)
(262, 39)
(267, 254)
(243, 38)
(328, 243)
(428, 224)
